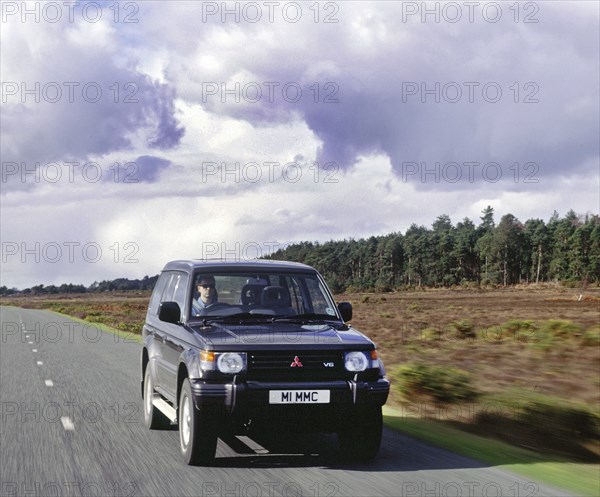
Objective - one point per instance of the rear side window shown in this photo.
(158, 291)
(175, 289)
(181, 290)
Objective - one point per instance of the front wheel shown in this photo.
(197, 430)
(360, 439)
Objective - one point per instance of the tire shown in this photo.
(197, 430)
(360, 440)
(153, 418)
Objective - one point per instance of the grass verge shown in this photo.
(579, 478)
(126, 336)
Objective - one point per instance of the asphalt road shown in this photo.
(72, 425)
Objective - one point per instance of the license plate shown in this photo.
(299, 397)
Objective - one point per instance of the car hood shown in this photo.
(281, 336)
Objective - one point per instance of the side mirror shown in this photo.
(169, 312)
(345, 309)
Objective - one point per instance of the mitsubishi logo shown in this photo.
(296, 363)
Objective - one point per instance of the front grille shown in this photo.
(278, 365)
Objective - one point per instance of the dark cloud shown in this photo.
(149, 167)
(398, 87)
(83, 101)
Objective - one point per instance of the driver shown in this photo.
(208, 294)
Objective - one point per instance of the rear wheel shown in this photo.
(153, 418)
(197, 430)
(360, 439)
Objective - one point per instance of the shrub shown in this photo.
(464, 328)
(564, 421)
(553, 331)
(134, 328)
(520, 330)
(591, 337)
(444, 384)
(431, 334)
(560, 328)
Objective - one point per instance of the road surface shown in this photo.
(72, 425)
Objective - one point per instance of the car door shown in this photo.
(161, 334)
(175, 336)
(153, 326)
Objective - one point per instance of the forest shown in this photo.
(564, 249)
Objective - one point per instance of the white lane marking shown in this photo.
(67, 423)
(49, 383)
(30, 343)
(256, 447)
(40, 363)
(33, 350)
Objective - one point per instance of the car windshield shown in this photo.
(265, 295)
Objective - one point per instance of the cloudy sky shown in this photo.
(134, 133)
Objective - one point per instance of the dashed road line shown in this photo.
(68, 425)
(49, 383)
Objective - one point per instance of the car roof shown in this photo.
(192, 265)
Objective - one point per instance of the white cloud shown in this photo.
(370, 132)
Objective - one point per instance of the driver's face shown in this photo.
(206, 288)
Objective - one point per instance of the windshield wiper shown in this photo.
(307, 318)
(242, 316)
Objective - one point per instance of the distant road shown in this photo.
(72, 425)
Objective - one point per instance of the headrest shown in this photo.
(276, 296)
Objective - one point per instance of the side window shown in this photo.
(158, 291)
(169, 293)
(181, 290)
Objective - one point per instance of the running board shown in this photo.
(167, 409)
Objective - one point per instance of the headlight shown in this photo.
(231, 363)
(356, 361)
(224, 362)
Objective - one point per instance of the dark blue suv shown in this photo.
(229, 345)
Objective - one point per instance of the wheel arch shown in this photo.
(145, 359)
(182, 374)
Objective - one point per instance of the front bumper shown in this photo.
(239, 401)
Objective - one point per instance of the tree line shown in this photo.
(563, 249)
(116, 285)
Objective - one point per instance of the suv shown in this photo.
(233, 345)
